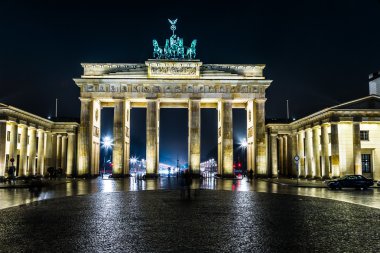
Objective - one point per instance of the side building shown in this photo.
(340, 140)
(34, 143)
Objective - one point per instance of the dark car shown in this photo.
(350, 181)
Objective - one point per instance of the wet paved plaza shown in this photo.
(149, 216)
(15, 197)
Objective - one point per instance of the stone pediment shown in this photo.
(371, 103)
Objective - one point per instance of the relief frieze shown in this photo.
(186, 88)
(174, 70)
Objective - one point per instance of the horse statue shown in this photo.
(191, 51)
(180, 50)
(157, 51)
(167, 50)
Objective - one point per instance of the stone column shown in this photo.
(84, 142)
(316, 153)
(260, 142)
(22, 170)
(251, 136)
(118, 139)
(281, 154)
(301, 152)
(58, 160)
(152, 138)
(273, 138)
(357, 148)
(127, 132)
(32, 150)
(54, 147)
(13, 142)
(335, 163)
(293, 154)
(70, 154)
(64, 153)
(225, 138)
(48, 151)
(309, 153)
(194, 142)
(3, 140)
(285, 156)
(325, 151)
(41, 152)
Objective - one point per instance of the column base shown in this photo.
(229, 176)
(325, 177)
(196, 175)
(317, 177)
(119, 175)
(261, 176)
(150, 176)
(83, 176)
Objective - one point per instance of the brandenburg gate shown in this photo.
(172, 80)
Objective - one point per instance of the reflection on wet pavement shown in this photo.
(15, 197)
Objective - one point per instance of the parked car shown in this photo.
(350, 181)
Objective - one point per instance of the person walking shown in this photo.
(250, 175)
(11, 174)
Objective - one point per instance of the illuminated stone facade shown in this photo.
(171, 84)
(340, 140)
(35, 143)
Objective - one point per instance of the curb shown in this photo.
(295, 185)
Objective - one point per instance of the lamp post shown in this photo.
(133, 161)
(106, 143)
(243, 146)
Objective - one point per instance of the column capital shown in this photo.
(260, 100)
(11, 122)
(195, 99)
(225, 100)
(85, 99)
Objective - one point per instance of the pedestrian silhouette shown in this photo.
(250, 175)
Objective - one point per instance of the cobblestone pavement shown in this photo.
(215, 221)
(15, 197)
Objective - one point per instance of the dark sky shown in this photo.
(319, 53)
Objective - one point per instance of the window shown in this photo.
(18, 138)
(329, 137)
(8, 135)
(366, 163)
(364, 135)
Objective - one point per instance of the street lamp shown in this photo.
(243, 146)
(106, 143)
(133, 161)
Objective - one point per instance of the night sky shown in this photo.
(319, 53)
